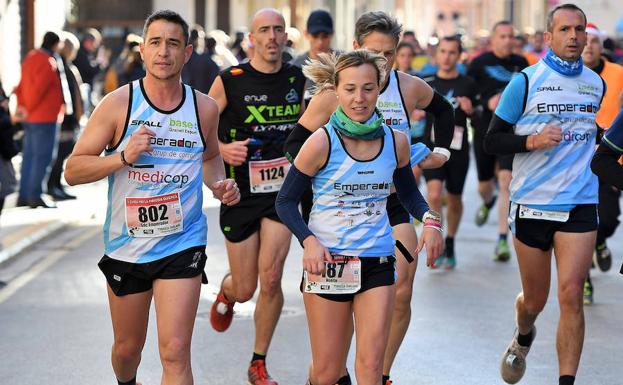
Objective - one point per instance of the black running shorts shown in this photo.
(375, 272)
(131, 278)
(396, 213)
(453, 172)
(238, 222)
(540, 233)
(485, 163)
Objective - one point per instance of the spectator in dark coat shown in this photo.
(201, 70)
(8, 149)
(85, 57)
(127, 67)
(86, 62)
(71, 120)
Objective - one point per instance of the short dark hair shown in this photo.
(455, 39)
(171, 17)
(499, 23)
(377, 21)
(550, 15)
(50, 39)
(407, 44)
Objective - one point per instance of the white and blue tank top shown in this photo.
(154, 207)
(558, 177)
(391, 104)
(349, 216)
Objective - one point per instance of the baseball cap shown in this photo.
(319, 21)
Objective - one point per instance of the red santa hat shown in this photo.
(591, 29)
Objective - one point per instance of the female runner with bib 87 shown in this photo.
(351, 164)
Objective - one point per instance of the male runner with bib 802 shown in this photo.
(160, 142)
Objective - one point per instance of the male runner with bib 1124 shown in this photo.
(260, 103)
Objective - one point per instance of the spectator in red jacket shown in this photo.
(40, 102)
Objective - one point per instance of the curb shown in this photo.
(33, 234)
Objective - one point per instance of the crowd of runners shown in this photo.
(331, 147)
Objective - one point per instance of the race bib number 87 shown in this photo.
(156, 216)
(342, 276)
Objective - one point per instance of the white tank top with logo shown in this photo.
(154, 207)
(392, 106)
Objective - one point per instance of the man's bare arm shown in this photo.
(320, 108)
(86, 164)
(217, 93)
(417, 93)
(213, 171)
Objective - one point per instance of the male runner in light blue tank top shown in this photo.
(161, 143)
(546, 117)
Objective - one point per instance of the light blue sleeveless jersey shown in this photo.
(349, 216)
(558, 177)
(154, 208)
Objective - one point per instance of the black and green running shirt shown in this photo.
(264, 108)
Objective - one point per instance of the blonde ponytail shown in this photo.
(324, 71)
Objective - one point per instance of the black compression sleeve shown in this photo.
(444, 120)
(295, 141)
(606, 166)
(408, 193)
(288, 200)
(500, 138)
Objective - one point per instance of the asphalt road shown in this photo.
(55, 326)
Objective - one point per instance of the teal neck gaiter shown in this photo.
(370, 130)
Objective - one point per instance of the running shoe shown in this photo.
(502, 252)
(439, 262)
(513, 365)
(588, 292)
(222, 311)
(388, 382)
(257, 374)
(483, 212)
(602, 257)
(482, 215)
(450, 262)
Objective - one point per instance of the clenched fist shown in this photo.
(550, 136)
(139, 143)
(234, 153)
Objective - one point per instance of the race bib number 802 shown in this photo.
(156, 216)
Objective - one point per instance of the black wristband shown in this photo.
(125, 162)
